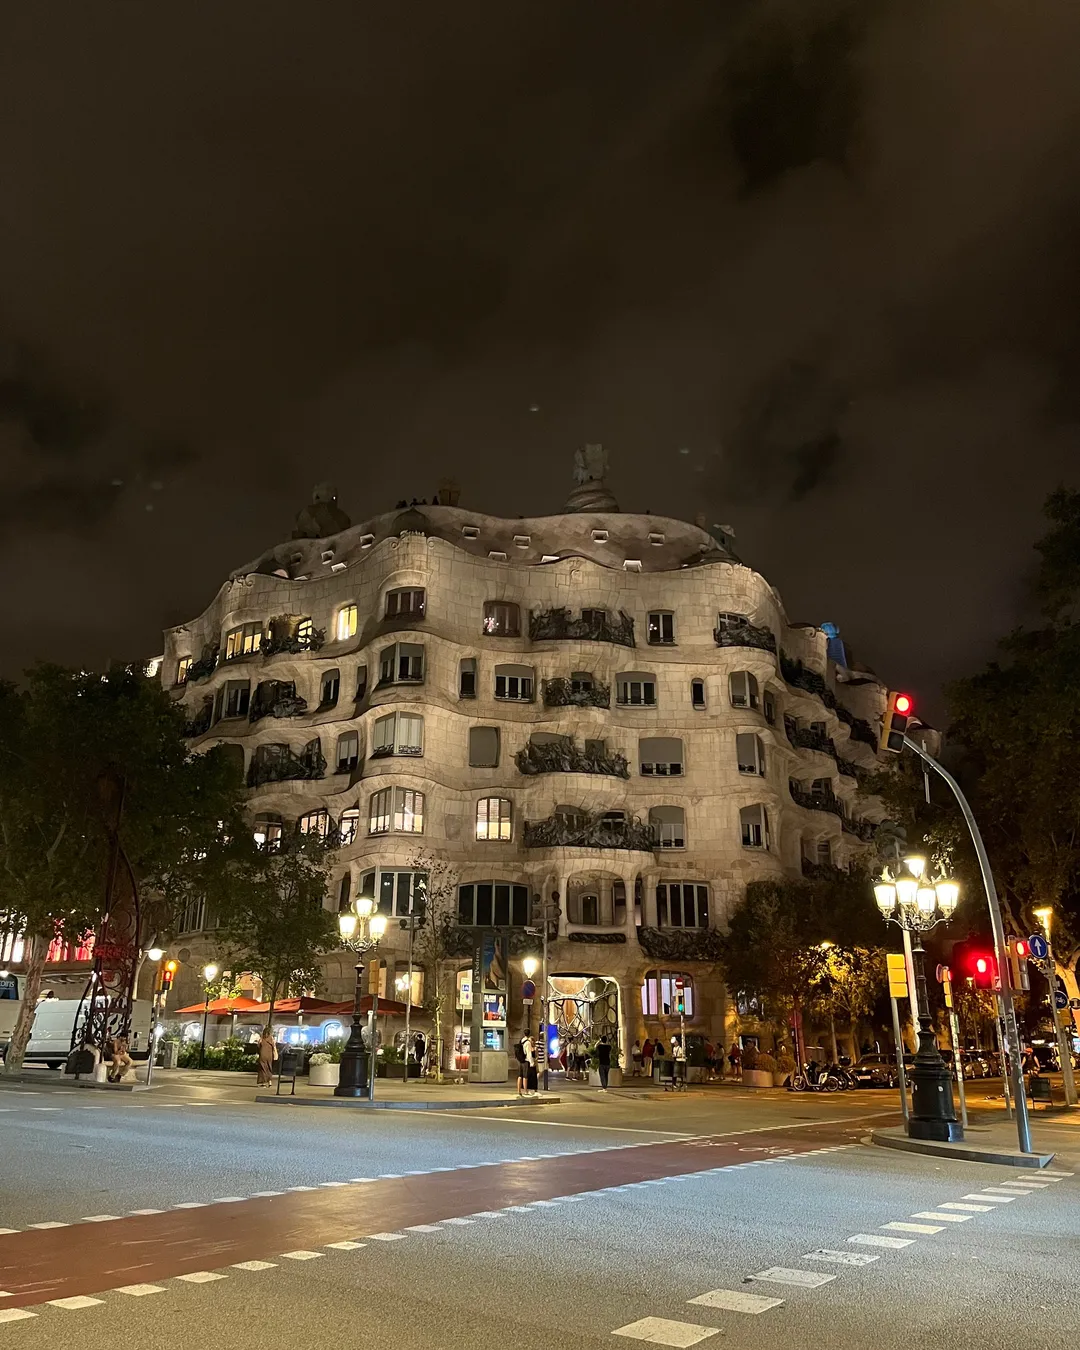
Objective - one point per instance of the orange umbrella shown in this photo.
(223, 1007)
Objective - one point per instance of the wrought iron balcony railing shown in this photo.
(589, 830)
(545, 624)
(560, 693)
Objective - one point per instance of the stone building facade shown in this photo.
(604, 717)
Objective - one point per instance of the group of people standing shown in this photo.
(644, 1057)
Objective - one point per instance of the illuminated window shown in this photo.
(182, 668)
(348, 825)
(304, 630)
(267, 831)
(315, 822)
(493, 818)
(243, 641)
(658, 993)
(398, 734)
(397, 809)
(682, 904)
(345, 623)
(502, 619)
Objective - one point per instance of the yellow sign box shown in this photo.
(898, 986)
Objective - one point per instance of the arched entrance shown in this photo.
(582, 1008)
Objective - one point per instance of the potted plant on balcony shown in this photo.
(322, 1071)
(757, 1069)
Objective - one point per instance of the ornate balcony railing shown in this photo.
(745, 635)
(806, 738)
(566, 757)
(278, 639)
(589, 830)
(560, 693)
(205, 666)
(816, 801)
(862, 829)
(202, 721)
(545, 624)
(851, 769)
(276, 698)
(681, 944)
(279, 764)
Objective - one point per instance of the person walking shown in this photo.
(635, 1059)
(268, 1053)
(735, 1059)
(603, 1061)
(646, 1057)
(721, 1061)
(659, 1056)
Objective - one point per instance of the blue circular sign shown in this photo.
(528, 989)
(1061, 999)
(1038, 946)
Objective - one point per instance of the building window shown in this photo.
(668, 825)
(582, 682)
(182, 668)
(824, 853)
(397, 894)
(754, 824)
(361, 682)
(682, 904)
(243, 641)
(658, 993)
(821, 787)
(661, 756)
(728, 622)
(594, 618)
(483, 747)
(344, 891)
(304, 630)
(502, 619)
(514, 683)
(697, 694)
(750, 754)
(768, 707)
(348, 825)
(237, 698)
(345, 623)
(398, 809)
(493, 818)
(328, 689)
(348, 751)
(315, 822)
(399, 733)
(406, 603)
(467, 677)
(493, 904)
(635, 690)
(193, 917)
(743, 689)
(661, 627)
(403, 663)
(267, 832)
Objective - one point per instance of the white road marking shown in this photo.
(488, 1214)
(301, 1255)
(1006, 1190)
(264, 1195)
(51, 1224)
(46, 1108)
(355, 1181)
(662, 1331)
(346, 1246)
(191, 1204)
(734, 1300)
(913, 1227)
(15, 1314)
(803, 1279)
(1030, 1185)
(100, 1218)
(147, 1211)
(255, 1265)
(997, 1199)
(333, 1183)
(561, 1125)
(970, 1209)
(386, 1237)
(3, 1231)
(840, 1258)
(390, 1176)
(201, 1276)
(139, 1290)
(230, 1199)
(423, 1228)
(78, 1301)
(942, 1216)
(876, 1240)
(459, 1221)
(302, 1188)
(1045, 1173)
(545, 1204)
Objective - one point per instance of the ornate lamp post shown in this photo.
(916, 904)
(361, 930)
(528, 969)
(209, 974)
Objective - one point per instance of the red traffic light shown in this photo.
(982, 965)
(1021, 949)
(903, 704)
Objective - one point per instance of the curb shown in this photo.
(360, 1104)
(1003, 1157)
(65, 1081)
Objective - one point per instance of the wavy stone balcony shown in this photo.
(589, 831)
(806, 738)
(816, 801)
(560, 693)
(280, 764)
(276, 698)
(745, 635)
(548, 624)
(566, 757)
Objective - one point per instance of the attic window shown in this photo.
(296, 558)
(471, 531)
(497, 554)
(632, 565)
(328, 555)
(656, 538)
(366, 540)
(337, 567)
(522, 540)
(600, 536)
(550, 557)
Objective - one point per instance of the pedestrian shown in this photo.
(710, 1058)
(735, 1059)
(603, 1061)
(635, 1059)
(678, 1060)
(268, 1053)
(721, 1061)
(659, 1056)
(646, 1057)
(532, 1082)
(521, 1055)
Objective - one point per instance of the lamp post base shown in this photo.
(352, 1074)
(933, 1115)
(944, 1131)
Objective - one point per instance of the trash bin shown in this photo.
(170, 1054)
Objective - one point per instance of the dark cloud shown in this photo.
(819, 245)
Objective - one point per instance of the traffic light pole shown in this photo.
(1064, 1053)
(1012, 1035)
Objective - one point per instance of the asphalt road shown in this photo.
(597, 1222)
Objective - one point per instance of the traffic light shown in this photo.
(898, 713)
(982, 969)
(680, 995)
(167, 973)
(1017, 949)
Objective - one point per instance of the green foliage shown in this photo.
(232, 1054)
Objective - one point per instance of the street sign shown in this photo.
(1038, 946)
(1074, 1003)
(898, 986)
(528, 991)
(1061, 999)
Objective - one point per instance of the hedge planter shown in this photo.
(757, 1078)
(323, 1075)
(614, 1077)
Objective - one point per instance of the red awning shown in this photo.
(297, 1005)
(222, 1007)
(387, 1006)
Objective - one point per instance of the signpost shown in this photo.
(1041, 951)
(898, 988)
(944, 974)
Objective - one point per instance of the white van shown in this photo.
(54, 1021)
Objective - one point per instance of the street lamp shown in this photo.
(529, 967)
(917, 904)
(210, 974)
(361, 931)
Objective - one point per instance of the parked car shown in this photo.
(878, 1070)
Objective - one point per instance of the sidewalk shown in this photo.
(395, 1096)
(991, 1137)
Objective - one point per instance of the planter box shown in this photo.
(781, 1076)
(757, 1078)
(614, 1077)
(323, 1075)
(389, 1070)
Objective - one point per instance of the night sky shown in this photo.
(808, 265)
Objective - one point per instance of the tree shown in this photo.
(63, 735)
(432, 939)
(274, 921)
(854, 979)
